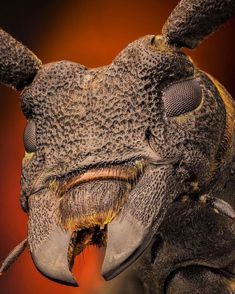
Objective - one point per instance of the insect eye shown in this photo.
(182, 97)
(29, 137)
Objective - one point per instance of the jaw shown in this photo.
(119, 213)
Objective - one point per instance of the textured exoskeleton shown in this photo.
(137, 156)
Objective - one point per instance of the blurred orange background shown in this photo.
(91, 33)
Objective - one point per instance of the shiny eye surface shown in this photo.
(29, 137)
(182, 97)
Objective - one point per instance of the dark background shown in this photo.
(90, 32)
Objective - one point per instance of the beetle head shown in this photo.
(109, 149)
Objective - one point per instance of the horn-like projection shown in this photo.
(18, 65)
(192, 20)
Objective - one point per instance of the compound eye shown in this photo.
(29, 137)
(182, 97)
